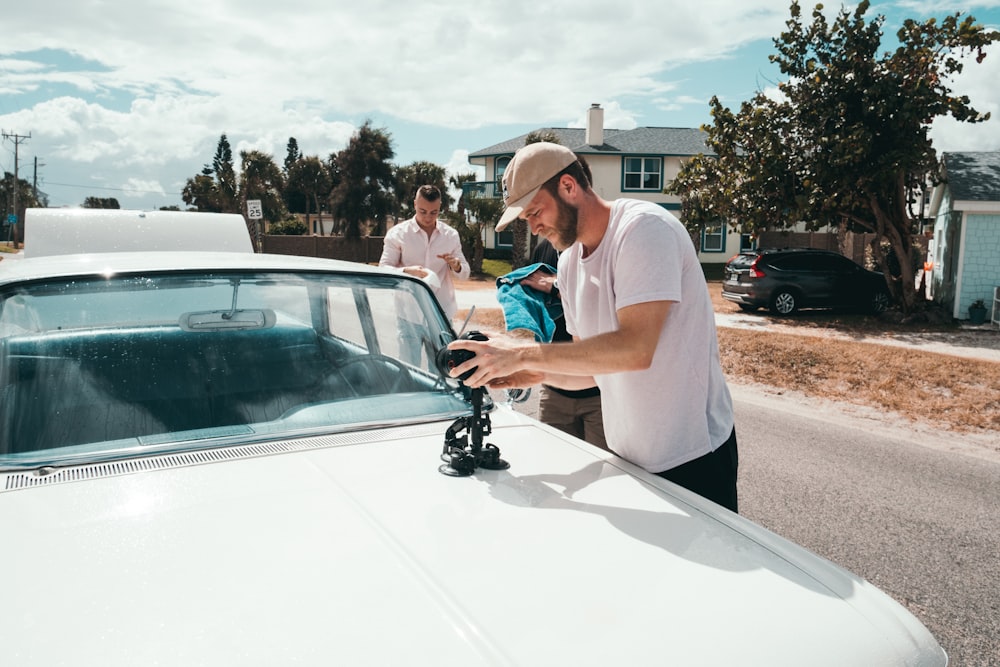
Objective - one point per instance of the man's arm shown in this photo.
(392, 255)
(392, 252)
(569, 365)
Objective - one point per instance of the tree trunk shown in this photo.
(897, 233)
(478, 253)
(519, 251)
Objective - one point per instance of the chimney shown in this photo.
(595, 125)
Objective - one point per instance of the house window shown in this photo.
(643, 173)
(713, 238)
(501, 166)
(747, 242)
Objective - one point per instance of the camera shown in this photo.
(448, 359)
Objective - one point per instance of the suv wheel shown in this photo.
(879, 302)
(784, 302)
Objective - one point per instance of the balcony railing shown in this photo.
(481, 190)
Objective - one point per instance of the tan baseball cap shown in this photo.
(531, 166)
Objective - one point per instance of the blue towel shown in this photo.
(527, 308)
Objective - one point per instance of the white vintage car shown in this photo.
(221, 458)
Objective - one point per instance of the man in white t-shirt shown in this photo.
(637, 305)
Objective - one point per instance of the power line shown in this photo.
(98, 187)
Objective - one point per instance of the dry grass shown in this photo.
(948, 392)
(939, 390)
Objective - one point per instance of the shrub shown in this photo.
(290, 227)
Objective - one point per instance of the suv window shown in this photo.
(793, 262)
(812, 261)
(834, 263)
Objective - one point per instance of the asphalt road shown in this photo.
(920, 522)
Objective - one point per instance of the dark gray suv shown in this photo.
(791, 278)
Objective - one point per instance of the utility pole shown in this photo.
(34, 180)
(17, 139)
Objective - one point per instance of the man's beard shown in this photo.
(566, 223)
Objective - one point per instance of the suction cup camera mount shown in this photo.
(464, 450)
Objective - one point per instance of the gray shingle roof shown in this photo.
(973, 176)
(640, 141)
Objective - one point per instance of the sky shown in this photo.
(128, 98)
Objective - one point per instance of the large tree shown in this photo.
(225, 177)
(214, 190)
(411, 177)
(261, 178)
(201, 192)
(470, 218)
(308, 183)
(363, 181)
(292, 154)
(101, 202)
(846, 141)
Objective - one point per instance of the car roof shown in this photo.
(797, 250)
(171, 261)
(69, 231)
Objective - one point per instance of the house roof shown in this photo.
(973, 177)
(640, 141)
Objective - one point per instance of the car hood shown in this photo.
(355, 549)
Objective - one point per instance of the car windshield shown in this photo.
(105, 367)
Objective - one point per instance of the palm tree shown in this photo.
(261, 178)
(364, 180)
(472, 238)
(309, 179)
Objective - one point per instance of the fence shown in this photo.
(848, 244)
(367, 249)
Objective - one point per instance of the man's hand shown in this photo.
(416, 271)
(541, 280)
(495, 359)
(453, 262)
(519, 380)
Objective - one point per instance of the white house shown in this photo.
(635, 163)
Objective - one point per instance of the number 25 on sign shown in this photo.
(254, 211)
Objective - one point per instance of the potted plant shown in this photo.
(977, 312)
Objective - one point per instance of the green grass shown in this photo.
(496, 267)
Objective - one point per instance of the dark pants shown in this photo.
(712, 476)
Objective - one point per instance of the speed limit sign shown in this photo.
(254, 211)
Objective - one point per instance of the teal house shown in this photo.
(966, 248)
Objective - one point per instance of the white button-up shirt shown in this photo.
(407, 244)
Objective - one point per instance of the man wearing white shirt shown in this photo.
(421, 246)
(636, 303)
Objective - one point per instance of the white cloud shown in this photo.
(142, 89)
(138, 188)
(979, 82)
(614, 117)
(459, 164)
(440, 65)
